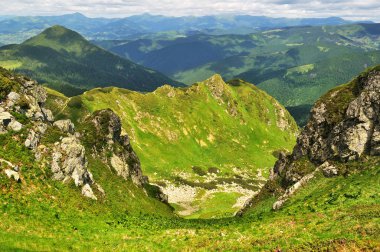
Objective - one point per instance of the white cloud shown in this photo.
(349, 9)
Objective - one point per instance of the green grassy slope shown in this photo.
(332, 214)
(65, 61)
(208, 135)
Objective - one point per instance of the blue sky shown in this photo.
(349, 9)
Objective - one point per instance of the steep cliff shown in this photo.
(344, 126)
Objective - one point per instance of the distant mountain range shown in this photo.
(64, 60)
(17, 29)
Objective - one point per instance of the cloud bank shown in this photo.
(348, 9)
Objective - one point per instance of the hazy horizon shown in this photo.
(347, 9)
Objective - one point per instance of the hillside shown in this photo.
(62, 59)
(296, 65)
(338, 212)
(178, 134)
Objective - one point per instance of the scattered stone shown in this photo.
(87, 192)
(32, 140)
(13, 174)
(15, 126)
(328, 170)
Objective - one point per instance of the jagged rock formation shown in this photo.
(24, 98)
(107, 139)
(344, 125)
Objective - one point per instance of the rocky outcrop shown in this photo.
(344, 126)
(69, 161)
(108, 139)
(68, 156)
(65, 126)
(57, 144)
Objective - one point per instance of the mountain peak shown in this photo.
(58, 31)
(216, 79)
(59, 38)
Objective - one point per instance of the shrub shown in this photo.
(75, 102)
(198, 170)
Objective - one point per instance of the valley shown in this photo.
(222, 132)
(178, 140)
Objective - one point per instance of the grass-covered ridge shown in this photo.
(211, 135)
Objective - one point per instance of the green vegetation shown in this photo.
(62, 59)
(10, 64)
(338, 213)
(7, 84)
(295, 65)
(178, 132)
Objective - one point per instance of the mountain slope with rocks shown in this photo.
(208, 146)
(76, 185)
(41, 153)
(341, 138)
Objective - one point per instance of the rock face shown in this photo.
(69, 161)
(344, 125)
(346, 134)
(124, 160)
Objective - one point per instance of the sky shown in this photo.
(348, 9)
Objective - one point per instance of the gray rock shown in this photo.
(124, 160)
(48, 114)
(65, 126)
(334, 133)
(291, 190)
(14, 125)
(328, 170)
(69, 161)
(32, 140)
(12, 99)
(5, 118)
(87, 192)
(12, 174)
(355, 134)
